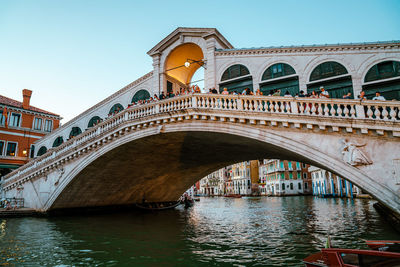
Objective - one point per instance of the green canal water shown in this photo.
(215, 232)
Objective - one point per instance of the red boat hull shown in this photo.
(336, 257)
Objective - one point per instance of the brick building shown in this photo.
(21, 125)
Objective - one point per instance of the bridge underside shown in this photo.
(160, 167)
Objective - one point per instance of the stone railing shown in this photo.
(367, 111)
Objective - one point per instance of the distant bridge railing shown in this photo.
(367, 110)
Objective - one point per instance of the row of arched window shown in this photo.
(332, 75)
(75, 131)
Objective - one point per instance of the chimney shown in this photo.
(26, 95)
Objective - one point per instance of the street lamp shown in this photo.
(188, 62)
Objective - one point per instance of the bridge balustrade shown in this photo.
(335, 108)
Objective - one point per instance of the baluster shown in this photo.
(326, 110)
(301, 107)
(244, 104)
(377, 113)
(313, 109)
(319, 110)
(352, 111)
(277, 108)
(256, 105)
(346, 111)
(385, 114)
(287, 107)
(308, 110)
(369, 112)
(333, 111)
(339, 111)
(271, 106)
(234, 103)
(392, 113)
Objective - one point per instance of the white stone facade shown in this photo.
(219, 55)
(213, 184)
(327, 184)
(241, 178)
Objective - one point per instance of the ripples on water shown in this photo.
(215, 232)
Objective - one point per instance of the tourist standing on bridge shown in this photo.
(162, 96)
(277, 93)
(324, 93)
(378, 96)
(225, 92)
(347, 96)
(361, 96)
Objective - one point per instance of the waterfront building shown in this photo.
(21, 125)
(327, 184)
(214, 183)
(283, 177)
(241, 178)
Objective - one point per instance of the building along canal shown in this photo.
(269, 231)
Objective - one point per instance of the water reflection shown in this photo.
(216, 231)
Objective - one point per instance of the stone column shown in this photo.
(357, 88)
(157, 79)
(210, 71)
(303, 84)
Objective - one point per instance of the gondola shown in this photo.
(158, 205)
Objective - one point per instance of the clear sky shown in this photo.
(73, 54)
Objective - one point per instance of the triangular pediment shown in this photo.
(192, 32)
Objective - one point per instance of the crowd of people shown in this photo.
(247, 91)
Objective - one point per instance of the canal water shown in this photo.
(215, 232)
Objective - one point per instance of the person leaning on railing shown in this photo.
(378, 96)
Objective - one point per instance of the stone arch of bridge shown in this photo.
(160, 163)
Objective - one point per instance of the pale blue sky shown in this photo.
(73, 54)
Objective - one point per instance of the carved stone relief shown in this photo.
(353, 154)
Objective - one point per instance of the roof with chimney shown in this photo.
(6, 101)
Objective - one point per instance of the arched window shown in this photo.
(116, 108)
(283, 186)
(75, 131)
(327, 70)
(235, 71)
(299, 186)
(93, 121)
(41, 151)
(326, 75)
(383, 77)
(291, 186)
(383, 70)
(277, 70)
(59, 140)
(140, 95)
(238, 84)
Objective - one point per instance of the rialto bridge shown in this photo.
(157, 150)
